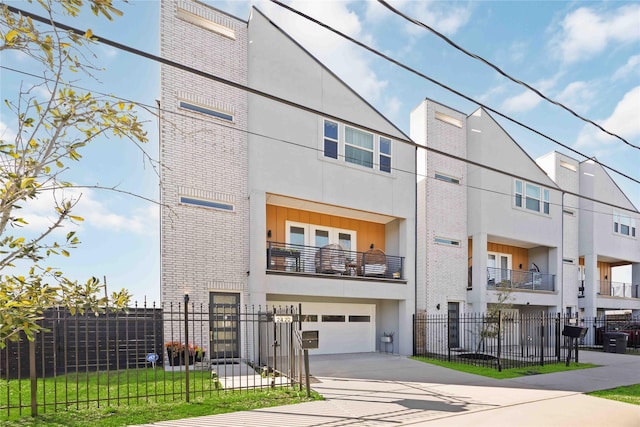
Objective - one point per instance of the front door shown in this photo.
(224, 325)
(454, 324)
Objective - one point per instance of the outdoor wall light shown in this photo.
(269, 233)
(186, 298)
(438, 306)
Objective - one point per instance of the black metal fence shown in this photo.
(509, 339)
(174, 352)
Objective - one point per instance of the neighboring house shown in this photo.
(511, 224)
(268, 204)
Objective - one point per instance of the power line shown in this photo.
(303, 146)
(501, 72)
(442, 85)
(209, 76)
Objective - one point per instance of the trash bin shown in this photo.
(615, 342)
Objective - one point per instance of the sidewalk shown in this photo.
(374, 389)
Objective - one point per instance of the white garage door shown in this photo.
(343, 328)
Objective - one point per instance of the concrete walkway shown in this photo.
(374, 389)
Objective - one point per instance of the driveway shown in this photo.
(374, 389)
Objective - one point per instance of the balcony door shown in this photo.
(318, 235)
(498, 267)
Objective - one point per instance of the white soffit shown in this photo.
(306, 205)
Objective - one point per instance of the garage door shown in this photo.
(343, 328)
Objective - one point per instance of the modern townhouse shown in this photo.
(266, 203)
(494, 226)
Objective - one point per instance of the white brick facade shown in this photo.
(203, 249)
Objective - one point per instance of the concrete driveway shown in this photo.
(374, 389)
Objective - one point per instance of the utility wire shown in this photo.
(236, 85)
(197, 117)
(501, 72)
(442, 85)
(299, 106)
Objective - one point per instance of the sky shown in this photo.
(583, 54)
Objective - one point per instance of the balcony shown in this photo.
(520, 280)
(333, 261)
(618, 289)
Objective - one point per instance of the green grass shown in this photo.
(127, 391)
(150, 412)
(627, 394)
(506, 373)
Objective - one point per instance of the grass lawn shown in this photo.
(127, 393)
(506, 373)
(627, 394)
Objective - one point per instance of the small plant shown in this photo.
(174, 348)
(388, 334)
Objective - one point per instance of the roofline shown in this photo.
(407, 138)
(517, 145)
(593, 159)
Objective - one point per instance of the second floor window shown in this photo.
(356, 146)
(532, 197)
(624, 225)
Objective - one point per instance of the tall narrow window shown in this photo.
(518, 193)
(358, 147)
(330, 139)
(385, 155)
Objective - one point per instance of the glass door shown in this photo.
(224, 325)
(453, 311)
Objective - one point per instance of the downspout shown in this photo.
(415, 234)
(561, 270)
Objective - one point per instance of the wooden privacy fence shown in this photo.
(168, 353)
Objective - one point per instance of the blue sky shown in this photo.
(583, 54)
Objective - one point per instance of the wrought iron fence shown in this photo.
(170, 353)
(501, 340)
(333, 260)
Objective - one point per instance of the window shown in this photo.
(446, 178)
(205, 110)
(319, 236)
(624, 225)
(330, 139)
(205, 203)
(206, 23)
(359, 319)
(448, 119)
(356, 146)
(531, 197)
(309, 317)
(448, 242)
(385, 155)
(333, 318)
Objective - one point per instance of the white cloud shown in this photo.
(523, 102)
(578, 96)
(631, 67)
(6, 133)
(40, 213)
(586, 32)
(442, 16)
(623, 121)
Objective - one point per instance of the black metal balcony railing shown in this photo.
(332, 260)
(517, 279)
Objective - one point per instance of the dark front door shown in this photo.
(454, 324)
(224, 325)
